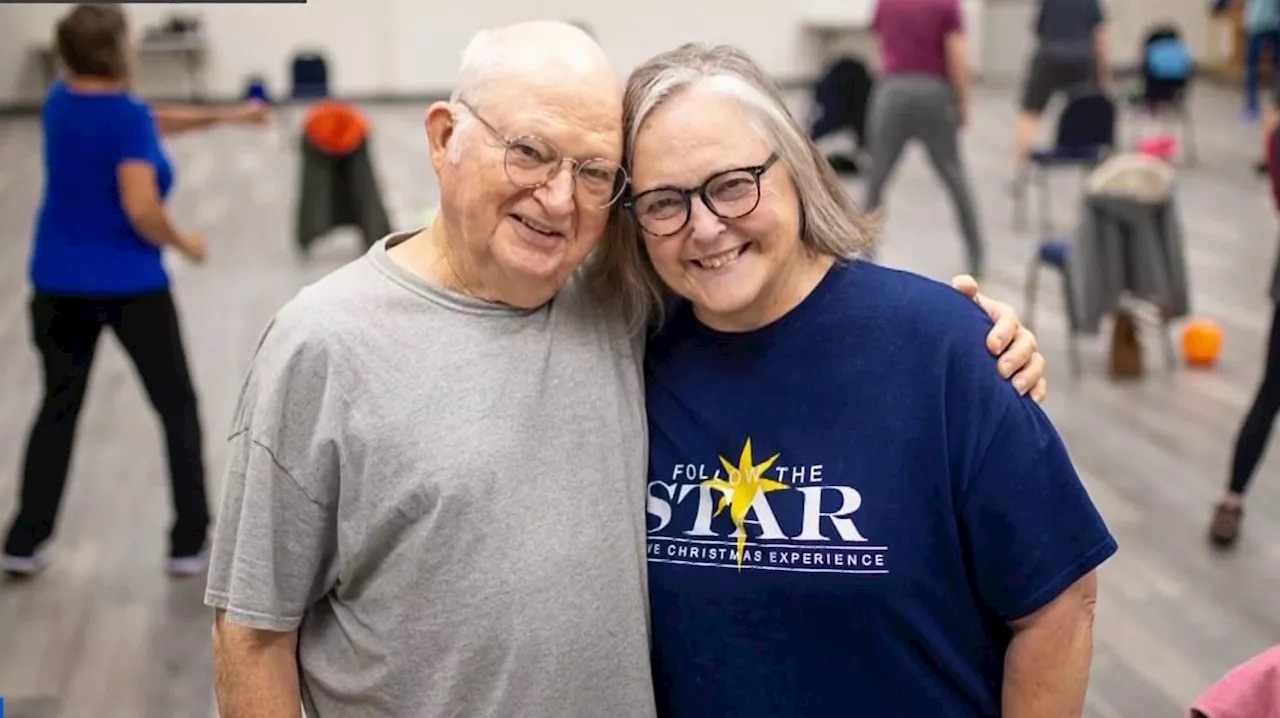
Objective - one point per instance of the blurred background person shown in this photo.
(1071, 56)
(96, 263)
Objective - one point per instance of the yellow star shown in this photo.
(745, 481)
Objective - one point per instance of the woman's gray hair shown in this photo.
(830, 223)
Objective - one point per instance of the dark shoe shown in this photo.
(1225, 527)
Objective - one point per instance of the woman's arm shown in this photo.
(1047, 665)
(174, 119)
(140, 197)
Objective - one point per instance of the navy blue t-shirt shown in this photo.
(85, 244)
(847, 507)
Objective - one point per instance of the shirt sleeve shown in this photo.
(1097, 14)
(1029, 526)
(953, 20)
(141, 136)
(274, 550)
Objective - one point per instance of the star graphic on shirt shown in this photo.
(745, 481)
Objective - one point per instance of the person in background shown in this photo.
(96, 262)
(1262, 27)
(1255, 431)
(849, 512)
(923, 94)
(1072, 55)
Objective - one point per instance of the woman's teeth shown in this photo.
(716, 261)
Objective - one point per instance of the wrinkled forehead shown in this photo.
(693, 135)
(582, 124)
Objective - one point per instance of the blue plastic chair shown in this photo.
(1167, 71)
(1055, 253)
(310, 76)
(256, 89)
(1086, 134)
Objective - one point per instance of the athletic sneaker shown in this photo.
(23, 566)
(187, 566)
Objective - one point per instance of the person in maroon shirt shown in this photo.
(923, 94)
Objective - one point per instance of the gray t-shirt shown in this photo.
(1065, 27)
(445, 497)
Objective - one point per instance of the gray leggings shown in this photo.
(921, 107)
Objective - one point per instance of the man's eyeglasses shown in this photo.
(729, 195)
(532, 161)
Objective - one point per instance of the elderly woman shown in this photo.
(96, 263)
(851, 513)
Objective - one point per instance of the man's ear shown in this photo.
(441, 128)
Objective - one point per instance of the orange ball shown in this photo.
(1201, 342)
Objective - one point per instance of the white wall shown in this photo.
(393, 46)
(412, 46)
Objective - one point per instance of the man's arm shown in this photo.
(255, 672)
(274, 550)
(1047, 666)
(175, 119)
(1015, 345)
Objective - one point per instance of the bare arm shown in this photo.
(174, 119)
(958, 70)
(1102, 51)
(255, 673)
(1047, 665)
(140, 197)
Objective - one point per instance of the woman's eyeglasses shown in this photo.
(729, 195)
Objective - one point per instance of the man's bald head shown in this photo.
(531, 54)
(528, 153)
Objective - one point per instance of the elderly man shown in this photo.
(435, 497)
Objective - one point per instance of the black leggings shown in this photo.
(1257, 425)
(65, 331)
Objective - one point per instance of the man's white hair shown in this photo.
(496, 52)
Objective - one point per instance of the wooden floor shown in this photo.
(104, 632)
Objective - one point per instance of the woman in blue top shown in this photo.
(850, 511)
(96, 262)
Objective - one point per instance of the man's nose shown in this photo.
(557, 193)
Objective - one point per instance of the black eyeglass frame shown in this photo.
(687, 194)
(620, 182)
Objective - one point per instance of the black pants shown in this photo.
(65, 331)
(1257, 424)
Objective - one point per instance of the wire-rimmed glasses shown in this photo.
(531, 161)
